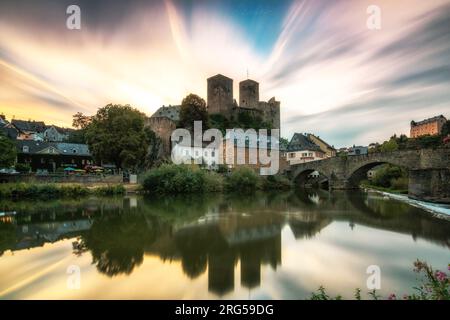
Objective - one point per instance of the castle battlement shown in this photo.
(220, 100)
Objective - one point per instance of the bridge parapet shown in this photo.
(347, 172)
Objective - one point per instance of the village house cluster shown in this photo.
(44, 148)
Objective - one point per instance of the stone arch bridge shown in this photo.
(429, 171)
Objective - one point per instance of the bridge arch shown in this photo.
(303, 177)
(360, 173)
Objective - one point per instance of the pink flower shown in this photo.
(441, 276)
(392, 297)
(449, 266)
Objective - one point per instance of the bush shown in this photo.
(50, 191)
(399, 183)
(23, 167)
(276, 183)
(213, 182)
(110, 190)
(173, 179)
(386, 174)
(242, 179)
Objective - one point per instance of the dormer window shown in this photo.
(74, 150)
(26, 149)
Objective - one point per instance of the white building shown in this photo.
(208, 156)
(301, 150)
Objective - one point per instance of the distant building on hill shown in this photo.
(357, 151)
(432, 126)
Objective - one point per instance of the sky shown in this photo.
(333, 75)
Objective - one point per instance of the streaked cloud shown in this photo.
(332, 75)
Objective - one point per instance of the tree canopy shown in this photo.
(116, 134)
(8, 151)
(193, 108)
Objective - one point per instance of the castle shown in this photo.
(220, 100)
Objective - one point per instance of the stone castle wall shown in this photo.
(163, 128)
(220, 100)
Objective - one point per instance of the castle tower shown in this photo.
(220, 95)
(249, 94)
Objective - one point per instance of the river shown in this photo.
(261, 246)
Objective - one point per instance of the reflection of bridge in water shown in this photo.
(223, 234)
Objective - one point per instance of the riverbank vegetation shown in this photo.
(434, 285)
(388, 178)
(177, 179)
(54, 190)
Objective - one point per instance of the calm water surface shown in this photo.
(263, 246)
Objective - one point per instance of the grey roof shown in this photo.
(301, 142)
(69, 148)
(325, 143)
(171, 112)
(9, 131)
(33, 126)
(60, 129)
(414, 123)
(73, 149)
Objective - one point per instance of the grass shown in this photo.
(54, 190)
(390, 190)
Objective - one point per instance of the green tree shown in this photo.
(117, 135)
(446, 129)
(8, 151)
(390, 145)
(284, 143)
(80, 122)
(193, 108)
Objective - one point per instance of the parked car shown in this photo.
(8, 171)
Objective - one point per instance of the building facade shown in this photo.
(301, 149)
(329, 151)
(357, 151)
(432, 126)
(51, 156)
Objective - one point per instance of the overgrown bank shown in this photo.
(51, 191)
(388, 178)
(176, 179)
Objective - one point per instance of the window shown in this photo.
(26, 149)
(206, 153)
(186, 152)
(74, 150)
(196, 153)
(42, 160)
(292, 155)
(213, 153)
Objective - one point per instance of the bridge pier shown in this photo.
(429, 185)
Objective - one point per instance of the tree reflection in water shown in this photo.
(206, 233)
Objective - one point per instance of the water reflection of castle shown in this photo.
(119, 234)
